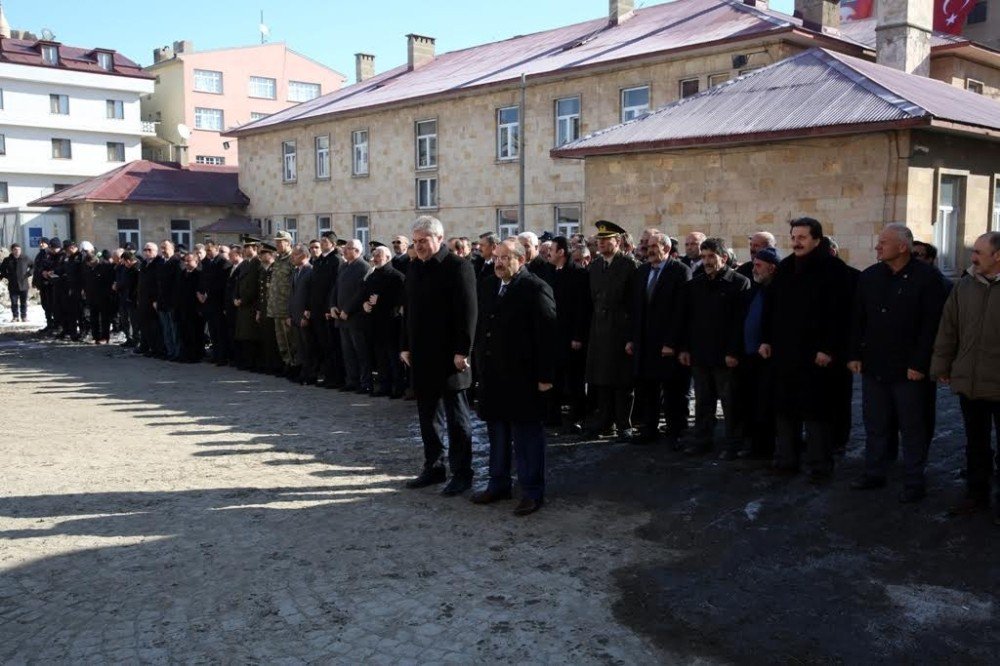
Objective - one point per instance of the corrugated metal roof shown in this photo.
(863, 32)
(814, 91)
(660, 28)
(27, 52)
(144, 181)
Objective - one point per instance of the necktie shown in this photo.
(503, 290)
(651, 284)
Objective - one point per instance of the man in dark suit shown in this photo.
(518, 344)
(16, 269)
(353, 325)
(400, 256)
(167, 277)
(301, 316)
(758, 241)
(383, 303)
(487, 244)
(146, 294)
(535, 262)
(211, 294)
(571, 289)
(326, 267)
(657, 319)
(440, 320)
(247, 331)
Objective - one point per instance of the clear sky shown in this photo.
(330, 31)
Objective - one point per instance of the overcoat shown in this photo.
(611, 285)
(248, 293)
(657, 318)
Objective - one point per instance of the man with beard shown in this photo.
(609, 370)
(804, 332)
(758, 241)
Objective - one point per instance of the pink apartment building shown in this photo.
(199, 94)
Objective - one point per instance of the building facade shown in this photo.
(444, 134)
(200, 94)
(66, 114)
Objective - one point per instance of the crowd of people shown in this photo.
(601, 337)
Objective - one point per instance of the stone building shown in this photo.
(850, 142)
(448, 133)
(200, 94)
(148, 202)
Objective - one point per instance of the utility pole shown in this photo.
(520, 152)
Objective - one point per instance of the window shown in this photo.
(3, 144)
(60, 186)
(263, 87)
(362, 230)
(299, 91)
(427, 141)
(427, 193)
(50, 55)
(128, 233)
(62, 149)
(716, 79)
(59, 104)
(689, 87)
(567, 220)
(256, 115)
(213, 160)
(323, 225)
(106, 61)
(567, 120)
(116, 109)
(180, 233)
(508, 133)
(949, 213)
(292, 227)
(359, 151)
(116, 151)
(323, 156)
(974, 86)
(206, 80)
(208, 119)
(995, 223)
(635, 102)
(4, 198)
(508, 223)
(978, 13)
(1, 98)
(289, 173)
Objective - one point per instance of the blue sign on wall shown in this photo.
(34, 236)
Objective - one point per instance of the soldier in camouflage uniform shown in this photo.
(278, 294)
(270, 361)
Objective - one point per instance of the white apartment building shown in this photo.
(66, 114)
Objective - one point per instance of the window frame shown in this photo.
(557, 216)
(56, 106)
(560, 120)
(197, 75)
(626, 109)
(431, 139)
(106, 61)
(696, 80)
(68, 143)
(250, 87)
(432, 192)
(355, 146)
(712, 78)
(289, 161)
(115, 109)
(294, 85)
(504, 133)
(4, 191)
(995, 204)
(114, 145)
(322, 156)
(210, 160)
(949, 241)
(50, 54)
(363, 232)
(3, 143)
(181, 236)
(510, 226)
(291, 225)
(201, 112)
(320, 228)
(125, 234)
(975, 86)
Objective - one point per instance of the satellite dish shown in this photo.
(48, 35)
(184, 131)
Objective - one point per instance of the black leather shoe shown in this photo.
(911, 495)
(868, 483)
(820, 477)
(428, 477)
(526, 507)
(456, 486)
(488, 497)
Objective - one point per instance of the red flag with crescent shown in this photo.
(950, 15)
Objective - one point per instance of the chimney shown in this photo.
(818, 14)
(4, 26)
(903, 35)
(364, 65)
(419, 51)
(162, 53)
(620, 11)
(184, 46)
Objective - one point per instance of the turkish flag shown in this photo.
(950, 15)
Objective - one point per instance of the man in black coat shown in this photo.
(571, 289)
(98, 279)
(805, 332)
(69, 282)
(518, 344)
(42, 263)
(301, 316)
(383, 304)
(211, 294)
(324, 278)
(897, 308)
(16, 269)
(654, 343)
(534, 262)
(126, 286)
(353, 325)
(440, 320)
(714, 309)
(168, 273)
(146, 294)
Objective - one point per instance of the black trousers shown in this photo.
(569, 387)
(72, 312)
(219, 333)
(712, 385)
(307, 352)
(614, 407)
(152, 334)
(818, 443)
(18, 302)
(891, 408)
(190, 336)
(332, 363)
(982, 419)
(447, 411)
(357, 358)
(45, 294)
(390, 368)
(100, 321)
(754, 405)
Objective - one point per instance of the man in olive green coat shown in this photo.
(278, 294)
(609, 368)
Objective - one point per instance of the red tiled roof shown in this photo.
(814, 92)
(28, 52)
(233, 224)
(144, 181)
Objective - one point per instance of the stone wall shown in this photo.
(98, 223)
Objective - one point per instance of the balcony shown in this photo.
(149, 128)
